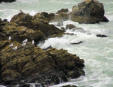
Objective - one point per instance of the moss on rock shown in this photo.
(30, 63)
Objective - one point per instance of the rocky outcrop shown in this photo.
(7, 1)
(32, 64)
(89, 12)
(20, 33)
(24, 26)
(24, 61)
(37, 22)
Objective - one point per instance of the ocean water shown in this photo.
(97, 52)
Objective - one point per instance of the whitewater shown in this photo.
(97, 52)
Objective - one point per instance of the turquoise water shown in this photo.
(97, 52)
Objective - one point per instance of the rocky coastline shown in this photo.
(22, 61)
(21, 58)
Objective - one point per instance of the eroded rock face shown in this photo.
(30, 63)
(89, 12)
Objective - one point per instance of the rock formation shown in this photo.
(89, 12)
(37, 22)
(32, 64)
(21, 60)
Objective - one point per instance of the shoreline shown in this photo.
(43, 20)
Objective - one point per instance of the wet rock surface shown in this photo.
(21, 60)
(36, 23)
(29, 63)
(32, 64)
(24, 26)
(89, 12)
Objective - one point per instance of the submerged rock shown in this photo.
(7, 1)
(101, 35)
(32, 64)
(89, 12)
(77, 42)
(69, 86)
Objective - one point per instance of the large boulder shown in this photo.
(89, 11)
(32, 64)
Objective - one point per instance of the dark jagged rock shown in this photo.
(89, 12)
(32, 64)
(101, 35)
(69, 86)
(77, 42)
(7, 1)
